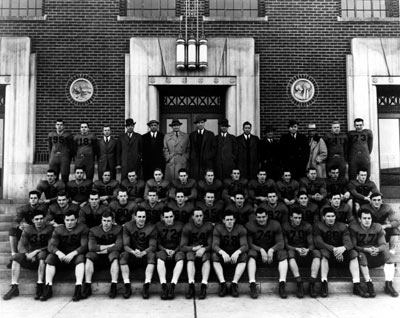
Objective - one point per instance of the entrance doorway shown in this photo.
(186, 103)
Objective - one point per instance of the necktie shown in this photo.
(154, 135)
(107, 140)
(177, 134)
(130, 135)
(199, 132)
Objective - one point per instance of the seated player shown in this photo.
(106, 187)
(168, 249)
(209, 183)
(153, 207)
(343, 211)
(140, 243)
(196, 243)
(80, 188)
(235, 183)
(184, 184)
(50, 187)
(182, 208)
(229, 246)
(309, 209)
(287, 188)
(105, 244)
(333, 240)
(57, 210)
(314, 186)
(243, 210)
(369, 240)
(337, 184)
(158, 184)
(134, 187)
(259, 188)
(122, 208)
(275, 210)
(67, 248)
(91, 213)
(32, 252)
(266, 247)
(212, 209)
(361, 188)
(299, 243)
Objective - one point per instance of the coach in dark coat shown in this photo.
(226, 155)
(295, 151)
(107, 157)
(248, 153)
(269, 154)
(129, 150)
(202, 149)
(153, 154)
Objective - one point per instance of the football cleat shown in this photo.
(113, 290)
(87, 290)
(324, 289)
(77, 293)
(358, 290)
(253, 290)
(145, 291)
(311, 290)
(39, 291)
(282, 290)
(127, 291)
(164, 291)
(190, 292)
(171, 291)
(300, 290)
(47, 293)
(14, 291)
(222, 289)
(371, 289)
(235, 290)
(203, 291)
(390, 290)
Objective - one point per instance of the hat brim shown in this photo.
(199, 120)
(175, 124)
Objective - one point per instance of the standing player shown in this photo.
(337, 144)
(196, 243)
(134, 187)
(266, 247)
(50, 187)
(80, 188)
(85, 149)
(32, 251)
(105, 243)
(287, 188)
(122, 208)
(140, 243)
(229, 246)
(61, 150)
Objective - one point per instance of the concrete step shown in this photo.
(5, 247)
(3, 236)
(4, 260)
(6, 217)
(5, 226)
(9, 208)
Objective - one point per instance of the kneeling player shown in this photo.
(67, 247)
(140, 242)
(333, 240)
(266, 246)
(105, 243)
(32, 251)
(229, 247)
(196, 243)
(369, 240)
(299, 243)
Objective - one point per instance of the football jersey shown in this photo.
(231, 187)
(143, 239)
(56, 213)
(50, 190)
(229, 241)
(203, 187)
(265, 236)
(189, 189)
(298, 236)
(384, 215)
(106, 189)
(97, 237)
(62, 144)
(79, 192)
(90, 217)
(85, 145)
(360, 142)
(169, 236)
(337, 186)
(374, 236)
(360, 190)
(310, 212)
(212, 213)
(287, 190)
(183, 213)
(313, 186)
(26, 212)
(33, 239)
(336, 144)
(344, 213)
(69, 241)
(123, 213)
(193, 235)
(257, 189)
(278, 212)
(153, 213)
(161, 188)
(243, 214)
(135, 190)
(328, 237)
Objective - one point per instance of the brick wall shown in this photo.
(84, 37)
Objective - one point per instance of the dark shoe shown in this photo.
(300, 290)
(47, 293)
(311, 290)
(390, 290)
(282, 290)
(253, 290)
(235, 290)
(87, 290)
(190, 292)
(358, 290)
(14, 291)
(222, 290)
(371, 289)
(127, 291)
(39, 291)
(77, 293)
(113, 290)
(145, 291)
(164, 291)
(9, 265)
(324, 289)
(203, 291)
(171, 291)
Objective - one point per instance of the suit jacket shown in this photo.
(107, 153)
(129, 154)
(153, 154)
(176, 153)
(269, 157)
(226, 155)
(248, 156)
(294, 153)
(202, 158)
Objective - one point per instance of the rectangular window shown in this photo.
(150, 8)
(21, 8)
(233, 8)
(367, 8)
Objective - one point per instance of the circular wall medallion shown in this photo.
(81, 89)
(302, 90)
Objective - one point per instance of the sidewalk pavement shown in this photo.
(267, 305)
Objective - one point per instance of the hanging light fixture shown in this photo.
(180, 48)
(203, 48)
(192, 51)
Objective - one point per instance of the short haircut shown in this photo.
(210, 191)
(365, 211)
(34, 192)
(240, 192)
(51, 171)
(295, 210)
(140, 210)
(122, 189)
(179, 191)
(70, 212)
(302, 192)
(183, 170)
(60, 120)
(38, 212)
(107, 214)
(246, 123)
(358, 120)
(62, 193)
(332, 194)
(157, 169)
(197, 208)
(261, 211)
(94, 192)
(78, 168)
(228, 212)
(375, 194)
(362, 169)
(328, 210)
(311, 169)
(167, 210)
(84, 122)
(208, 170)
(334, 167)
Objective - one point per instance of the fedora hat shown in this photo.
(224, 122)
(175, 122)
(199, 119)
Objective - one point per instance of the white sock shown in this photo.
(388, 269)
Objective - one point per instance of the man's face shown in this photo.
(239, 200)
(262, 176)
(38, 221)
(262, 218)
(70, 222)
(33, 199)
(376, 202)
(122, 197)
(158, 176)
(247, 129)
(169, 218)
(106, 223)
(272, 198)
(62, 201)
(84, 129)
(79, 174)
(293, 129)
(198, 217)
(335, 201)
(51, 177)
(303, 200)
(270, 134)
(153, 127)
(335, 129)
(59, 126)
(132, 177)
(330, 218)
(287, 176)
(130, 128)
(176, 128)
(312, 175)
(366, 220)
(140, 218)
(94, 200)
(183, 177)
(209, 198)
(152, 197)
(200, 125)
(362, 176)
(223, 129)
(295, 219)
(107, 131)
(235, 175)
(312, 132)
(229, 221)
(334, 174)
(209, 177)
(106, 177)
(359, 125)
(180, 197)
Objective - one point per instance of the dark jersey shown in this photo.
(313, 186)
(123, 213)
(278, 212)
(212, 213)
(265, 236)
(384, 215)
(229, 241)
(298, 236)
(360, 190)
(143, 239)
(50, 190)
(26, 212)
(328, 237)
(169, 236)
(153, 213)
(97, 237)
(257, 189)
(193, 235)
(287, 190)
(360, 142)
(341, 185)
(203, 187)
(161, 188)
(189, 189)
(106, 189)
(61, 144)
(135, 190)
(337, 144)
(91, 217)
(344, 213)
(69, 241)
(33, 239)
(310, 212)
(242, 214)
(85, 145)
(374, 236)
(231, 187)
(183, 213)
(79, 192)
(56, 213)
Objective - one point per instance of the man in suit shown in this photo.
(129, 150)
(226, 155)
(153, 154)
(202, 149)
(269, 154)
(107, 153)
(248, 152)
(176, 150)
